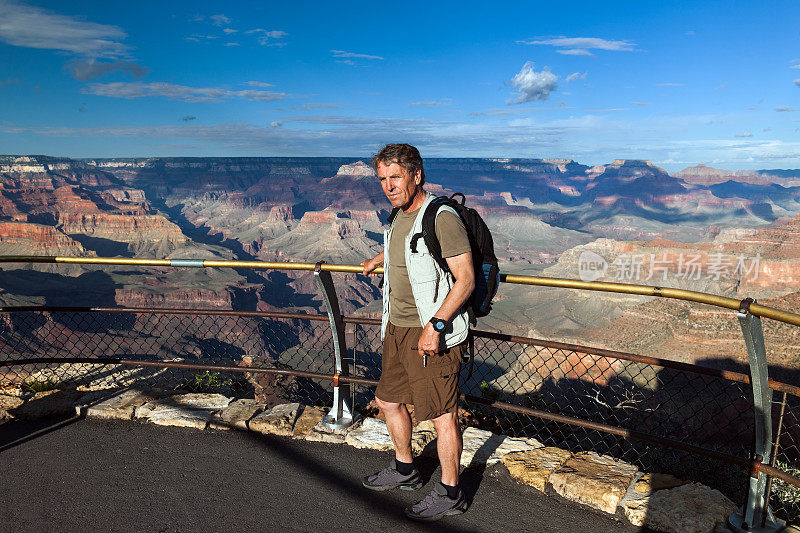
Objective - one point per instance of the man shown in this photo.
(424, 330)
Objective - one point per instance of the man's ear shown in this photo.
(418, 177)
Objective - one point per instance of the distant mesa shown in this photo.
(357, 169)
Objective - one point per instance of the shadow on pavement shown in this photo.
(333, 480)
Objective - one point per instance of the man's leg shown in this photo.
(448, 446)
(398, 423)
(401, 472)
(446, 498)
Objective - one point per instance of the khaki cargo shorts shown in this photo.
(433, 389)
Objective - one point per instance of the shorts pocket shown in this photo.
(441, 394)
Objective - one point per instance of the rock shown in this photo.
(8, 401)
(322, 433)
(422, 434)
(690, 508)
(184, 410)
(276, 421)
(533, 467)
(5, 417)
(95, 377)
(48, 403)
(308, 419)
(653, 482)
(115, 404)
(485, 447)
(595, 480)
(237, 414)
(373, 434)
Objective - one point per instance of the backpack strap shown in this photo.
(463, 198)
(429, 231)
(392, 215)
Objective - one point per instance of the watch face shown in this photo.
(438, 325)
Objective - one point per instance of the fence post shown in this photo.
(340, 415)
(755, 514)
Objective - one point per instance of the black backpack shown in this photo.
(487, 272)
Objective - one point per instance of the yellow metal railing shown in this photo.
(540, 281)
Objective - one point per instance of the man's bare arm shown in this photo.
(464, 274)
(371, 264)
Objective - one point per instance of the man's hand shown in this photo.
(428, 343)
(371, 264)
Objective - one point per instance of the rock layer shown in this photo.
(595, 480)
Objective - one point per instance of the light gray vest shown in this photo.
(429, 283)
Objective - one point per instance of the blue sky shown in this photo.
(676, 83)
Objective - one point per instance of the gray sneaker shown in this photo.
(437, 504)
(390, 478)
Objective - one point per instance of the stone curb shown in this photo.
(658, 501)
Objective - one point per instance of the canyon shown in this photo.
(734, 233)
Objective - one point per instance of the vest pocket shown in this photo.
(422, 268)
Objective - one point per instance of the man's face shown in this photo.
(398, 186)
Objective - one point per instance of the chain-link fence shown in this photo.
(696, 406)
(785, 498)
(708, 410)
(167, 336)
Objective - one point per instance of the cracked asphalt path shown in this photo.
(73, 474)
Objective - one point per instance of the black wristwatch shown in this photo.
(439, 324)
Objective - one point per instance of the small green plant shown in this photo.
(785, 497)
(488, 392)
(208, 381)
(35, 386)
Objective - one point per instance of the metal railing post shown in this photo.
(755, 515)
(340, 415)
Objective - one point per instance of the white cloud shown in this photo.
(220, 20)
(275, 124)
(321, 105)
(532, 85)
(268, 37)
(260, 84)
(344, 54)
(795, 67)
(231, 44)
(784, 108)
(797, 82)
(642, 103)
(576, 76)
(575, 52)
(32, 27)
(90, 69)
(196, 37)
(668, 84)
(229, 31)
(582, 45)
(348, 120)
(176, 92)
(744, 134)
(587, 139)
(431, 103)
(606, 110)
